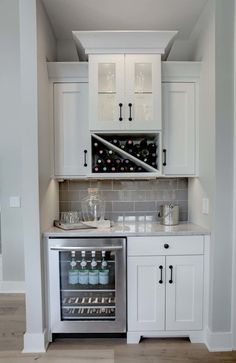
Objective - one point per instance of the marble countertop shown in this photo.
(127, 229)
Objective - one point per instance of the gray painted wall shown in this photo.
(214, 45)
(10, 142)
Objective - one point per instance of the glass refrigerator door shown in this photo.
(87, 285)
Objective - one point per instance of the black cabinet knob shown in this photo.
(166, 245)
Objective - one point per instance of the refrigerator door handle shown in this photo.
(87, 248)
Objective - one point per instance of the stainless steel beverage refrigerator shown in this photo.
(86, 280)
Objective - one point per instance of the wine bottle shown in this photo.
(152, 147)
(143, 143)
(101, 152)
(129, 143)
(131, 168)
(108, 161)
(110, 152)
(116, 142)
(126, 162)
(144, 153)
(117, 161)
(105, 169)
(95, 144)
(139, 169)
(113, 169)
(129, 150)
(97, 169)
(122, 169)
(99, 161)
(122, 146)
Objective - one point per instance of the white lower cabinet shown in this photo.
(165, 292)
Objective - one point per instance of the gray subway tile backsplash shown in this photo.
(127, 199)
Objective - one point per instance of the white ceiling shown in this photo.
(68, 15)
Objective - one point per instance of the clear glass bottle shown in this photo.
(93, 272)
(83, 272)
(73, 273)
(104, 271)
(93, 207)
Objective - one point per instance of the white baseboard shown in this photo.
(218, 342)
(0, 267)
(12, 287)
(35, 343)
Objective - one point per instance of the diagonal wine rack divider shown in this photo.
(125, 154)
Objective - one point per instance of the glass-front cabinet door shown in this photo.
(106, 82)
(143, 91)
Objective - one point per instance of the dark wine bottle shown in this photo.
(129, 143)
(143, 143)
(131, 168)
(126, 162)
(116, 142)
(101, 152)
(117, 161)
(129, 150)
(99, 161)
(96, 169)
(122, 146)
(144, 153)
(95, 144)
(108, 161)
(113, 169)
(105, 169)
(122, 169)
(139, 169)
(152, 147)
(110, 152)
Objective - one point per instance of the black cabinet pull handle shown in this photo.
(171, 274)
(161, 272)
(166, 245)
(85, 157)
(164, 157)
(130, 111)
(120, 118)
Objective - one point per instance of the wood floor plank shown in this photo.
(12, 327)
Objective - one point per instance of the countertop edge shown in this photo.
(131, 230)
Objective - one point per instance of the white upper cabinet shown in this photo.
(71, 133)
(125, 92)
(179, 128)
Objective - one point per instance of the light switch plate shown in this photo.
(205, 206)
(15, 202)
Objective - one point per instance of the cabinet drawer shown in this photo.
(171, 245)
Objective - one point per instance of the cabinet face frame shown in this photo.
(125, 86)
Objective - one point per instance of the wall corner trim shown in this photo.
(218, 341)
(35, 342)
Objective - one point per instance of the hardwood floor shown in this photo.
(12, 326)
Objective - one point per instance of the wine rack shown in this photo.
(123, 153)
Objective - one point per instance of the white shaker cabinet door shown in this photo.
(143, 92)
(106, 92)
(179, 128)
(184, 292)
(71, 129)
(146, 293)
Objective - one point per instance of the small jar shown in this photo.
(83, 277)
(104, 277)
(73, 277)
(93, 277)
